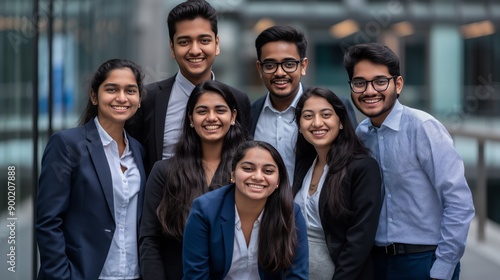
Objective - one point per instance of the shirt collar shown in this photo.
(237, 221)
(106, 138)
(185, 84)
(393, 120)
(269, 105)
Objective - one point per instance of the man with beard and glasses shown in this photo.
(282, 61)
(427, 205)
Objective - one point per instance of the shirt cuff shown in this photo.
(442, 270)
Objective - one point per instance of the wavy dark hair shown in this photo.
(344, 149)
(189, 10)
(278, 219)
(185, 178)
(101, 74)
(374, 52)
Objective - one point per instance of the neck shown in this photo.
(248, 209)
(211, 152)
(281, 104)
(322, 152)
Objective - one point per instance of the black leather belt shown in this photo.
(402, 249)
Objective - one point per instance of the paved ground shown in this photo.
(481, 260)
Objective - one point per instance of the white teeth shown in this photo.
(371, 101)
(255, 186)
(120, 107)
(318, 132)
(212, 127)
(280, 82)
(196, 60)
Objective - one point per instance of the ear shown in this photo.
(399, 84)
(233, 117)
(259, 68)
(172, 52)
(217, 46)
(303, 66)
(93, 97)
(190, 118)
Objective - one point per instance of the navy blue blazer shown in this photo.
(209, 239)
(148, 124)
(74, 210)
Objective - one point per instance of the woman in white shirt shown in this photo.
(250, 229)
(338, 187)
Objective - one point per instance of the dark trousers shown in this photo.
(407, 267)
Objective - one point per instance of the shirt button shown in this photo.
(381, 137)
(389, 195)
(390, 220)
(279, 117)
(279, 138)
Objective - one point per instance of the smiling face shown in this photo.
(319, 123)
(211, 117)
(195, 47)
(117, 99)
(375, 105)
(282, 86)
(256, 175)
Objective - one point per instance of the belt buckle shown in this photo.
(391, 249)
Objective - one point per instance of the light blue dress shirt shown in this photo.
(122, 261)
(426, 198)
(280, 130)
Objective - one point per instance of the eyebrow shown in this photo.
(216, 106)
(322, 110)
(284, 59)
(201, 36)
(116, 85)
(376, 77)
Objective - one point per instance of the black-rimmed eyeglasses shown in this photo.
(378, 84)
(270, 67)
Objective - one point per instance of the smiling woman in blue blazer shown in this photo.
(91, 185)
(251, 228)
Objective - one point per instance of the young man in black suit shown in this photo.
(194, 44)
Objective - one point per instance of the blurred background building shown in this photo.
(450, 54)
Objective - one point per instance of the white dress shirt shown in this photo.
(122, 261)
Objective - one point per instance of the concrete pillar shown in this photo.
(445, 65)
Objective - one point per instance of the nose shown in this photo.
(257, 176)
(370, 88)
(317, 121)
(195, 49)
(212, 116)
(279, 70)
(121, 96)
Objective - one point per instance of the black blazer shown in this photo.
(350, 240)
(148, 123)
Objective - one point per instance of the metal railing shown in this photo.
(480, 191)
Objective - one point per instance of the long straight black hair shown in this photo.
(343, 150)
(278, 220)
(185, 178)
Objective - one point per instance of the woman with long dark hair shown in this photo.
(211, 132)
(251, 228)
(338, 186)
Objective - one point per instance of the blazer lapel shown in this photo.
(101, 165)
(162, 95)
(136, 153)
(227, 227)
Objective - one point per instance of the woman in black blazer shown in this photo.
(338, 186)
(211, 132)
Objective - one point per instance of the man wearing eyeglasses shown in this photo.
(427, 204)
(282, 61)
